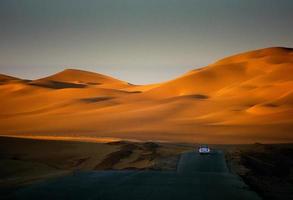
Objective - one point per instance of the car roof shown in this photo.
(203, 145)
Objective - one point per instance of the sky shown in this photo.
(139, 41)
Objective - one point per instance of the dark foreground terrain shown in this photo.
(266, 168)
(45, 169)
(197, 177)
(24, 161)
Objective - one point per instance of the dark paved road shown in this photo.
(199, 177)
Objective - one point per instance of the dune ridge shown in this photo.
(244, 98)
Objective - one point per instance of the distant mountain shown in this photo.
(244, 98)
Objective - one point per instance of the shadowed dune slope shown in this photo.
(240, 99)
(4, 78)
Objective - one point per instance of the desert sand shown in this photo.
(244, 98)
(25, 160)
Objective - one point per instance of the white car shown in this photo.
(204, 149)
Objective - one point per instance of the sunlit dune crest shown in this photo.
(80, 78)
(67, 138)
(240, 99)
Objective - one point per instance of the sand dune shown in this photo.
(240, 99)
(81, 78)
(5, 78)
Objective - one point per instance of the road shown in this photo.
(199, 177)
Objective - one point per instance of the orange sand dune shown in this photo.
(5, 78)
(80, 78)
(244, 98)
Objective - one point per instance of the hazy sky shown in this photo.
(140, 41)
